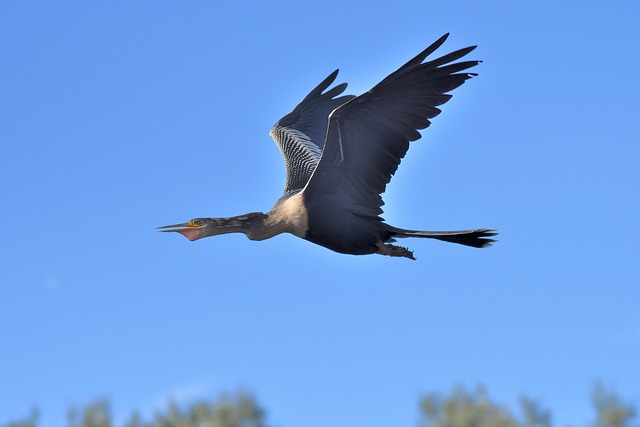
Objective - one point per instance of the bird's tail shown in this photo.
(479, 238)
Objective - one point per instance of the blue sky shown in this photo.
(119, 117)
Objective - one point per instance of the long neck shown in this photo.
(251, 224)
(289, 215)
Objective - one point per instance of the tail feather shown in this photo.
(479, 238)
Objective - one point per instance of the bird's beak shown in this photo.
(189, 229)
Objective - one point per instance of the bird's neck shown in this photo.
(251, 224)
(289, 215)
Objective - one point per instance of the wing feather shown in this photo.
(368, 136)
(300, 135)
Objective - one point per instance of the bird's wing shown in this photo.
(368, 136)
(300, 135)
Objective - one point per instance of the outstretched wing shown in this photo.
(369, 135)
(300, 135)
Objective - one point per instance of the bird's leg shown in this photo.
(393, 250)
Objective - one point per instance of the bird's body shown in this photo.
(340, 153)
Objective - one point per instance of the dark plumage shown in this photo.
(340, 153)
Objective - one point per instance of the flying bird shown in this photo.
(340, 152)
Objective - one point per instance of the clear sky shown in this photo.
(118, 117)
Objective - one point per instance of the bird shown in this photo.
(340, 152)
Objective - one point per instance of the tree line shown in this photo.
(459, 408)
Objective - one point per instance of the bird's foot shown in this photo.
(393, 250)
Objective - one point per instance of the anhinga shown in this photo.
(340, 153)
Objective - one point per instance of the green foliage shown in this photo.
(238, 410)
(230, 411)
(533, 414)
(611, 411)
(29, 421)
(96, 414)
(459, 409)
(476, 409)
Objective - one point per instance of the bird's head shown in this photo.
(193, 229)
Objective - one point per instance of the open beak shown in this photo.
(189, 229)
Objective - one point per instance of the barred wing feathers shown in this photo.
(300, 135)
